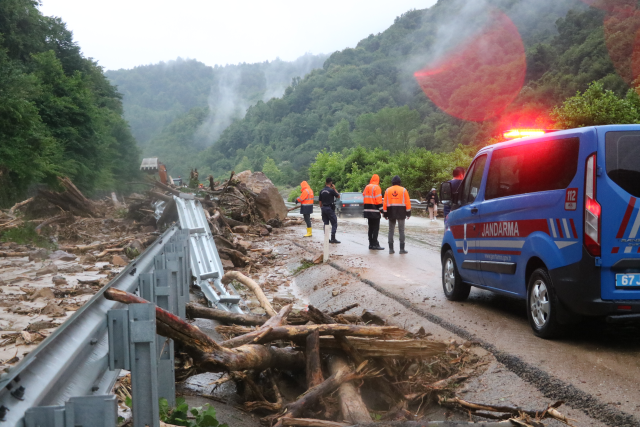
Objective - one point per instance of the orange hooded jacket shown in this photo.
(306, 198)
(373, 198)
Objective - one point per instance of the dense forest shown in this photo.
(454, 75)
(59, 115)
(178, 108)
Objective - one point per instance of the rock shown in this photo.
(134, 248)
(62, 256)
(50, 269)
(45, 293)
(282, 300)
(2, 283)
(412, 369)
(87, 259)
(264, 232)
(73, 268)
(269, 202)
(119, 261)
(226, 263)
(38, 254)
(221, 242)
(59, 280)
(246, 245)
(53, 310)
(269, 228)
(241, 229)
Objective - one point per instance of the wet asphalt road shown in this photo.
(601, 361)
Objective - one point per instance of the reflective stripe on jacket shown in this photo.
(306, 198)
(396, 203)
(372, 199)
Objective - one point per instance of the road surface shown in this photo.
(597, 367)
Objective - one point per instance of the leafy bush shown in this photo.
(26, 235)
(203, 416)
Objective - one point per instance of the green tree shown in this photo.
(272, 171)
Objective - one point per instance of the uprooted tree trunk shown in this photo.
(71, 200)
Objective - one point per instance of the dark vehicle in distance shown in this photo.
(350, 204)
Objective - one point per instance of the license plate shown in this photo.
(627, 280)
(354, 205)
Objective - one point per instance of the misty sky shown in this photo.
(126, 33)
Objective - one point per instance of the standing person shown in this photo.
(306, 205)
(372, 210)
(328, 196)
(396, 207)
(458, 176)
(432, 204)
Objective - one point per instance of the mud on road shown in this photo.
(595, 370)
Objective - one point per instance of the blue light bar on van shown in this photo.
(522, 133)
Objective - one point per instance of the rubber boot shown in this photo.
(333, 239)
(402, 251)
(308, 232)
(391, 251)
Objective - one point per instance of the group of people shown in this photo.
(395, 207)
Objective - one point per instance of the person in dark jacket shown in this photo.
(372, 210)
(328, 196)
(432, 204)
(396, 207)
(458, 176)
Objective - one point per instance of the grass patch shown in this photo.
(26, 235)
(305, 264)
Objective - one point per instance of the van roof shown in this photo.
(560, 133)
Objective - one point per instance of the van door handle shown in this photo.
(474, 211)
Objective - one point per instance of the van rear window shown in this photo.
(622, 150)
(531, 168)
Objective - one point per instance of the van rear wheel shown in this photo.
(454, 288)
(542, 305)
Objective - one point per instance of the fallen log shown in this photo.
(318, 316)
(308, 399)
(344, 309)
(109, 251)
(237, 258)
(296, 332)
(208, 355)
(18, 205)
(71, 200)
(59, 218)
(255, 288)
(160, 196)
(202, 312)
(308, 422)
(314, 363)
(366, 348)
(352, 407)
(13, 254)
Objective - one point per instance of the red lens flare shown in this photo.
(621, 27)
(609, 5)
(477, 80)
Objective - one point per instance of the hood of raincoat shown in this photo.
(304, 185)
(375, 179)
(396, 180)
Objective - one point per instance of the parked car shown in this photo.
(350, 204)
(553, 220)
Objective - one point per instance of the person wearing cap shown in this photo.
(432, 204)
(396, 207)
(327, 199)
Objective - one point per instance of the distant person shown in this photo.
(372, 210)
(458, 176)
(432, 204)
(328, 196)
(306, 202)
(396, 207)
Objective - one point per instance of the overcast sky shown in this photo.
(126, 33)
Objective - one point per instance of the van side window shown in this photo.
(473, 180)
(531, 168)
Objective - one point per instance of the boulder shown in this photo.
(62, 256)
(241, 229)
(38, 255)
(50, 269)
(269, 202)
(119, 261)
(73, 268)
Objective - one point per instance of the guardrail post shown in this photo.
(144, 369)
(165, 297)
(83, 411)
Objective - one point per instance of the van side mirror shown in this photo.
(445, 193)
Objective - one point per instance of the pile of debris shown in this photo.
(322, 369)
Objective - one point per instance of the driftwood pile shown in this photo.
(327, 369)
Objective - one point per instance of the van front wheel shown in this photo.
(454, 288)
(542, 305)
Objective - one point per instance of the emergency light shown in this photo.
(522, 133)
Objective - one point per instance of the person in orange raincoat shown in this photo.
(373, 210)
(396, 207)
(306, 202)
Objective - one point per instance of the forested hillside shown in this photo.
(59, 115)
(181, 107)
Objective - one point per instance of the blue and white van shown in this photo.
(552, 219)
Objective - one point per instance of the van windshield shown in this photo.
(352, 197)
(622, 150)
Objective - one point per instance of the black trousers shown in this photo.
(374, 229)
(307, 219)
(329, 216)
